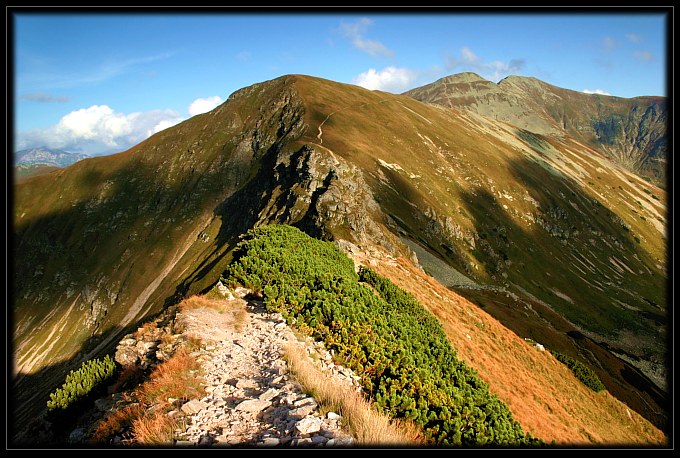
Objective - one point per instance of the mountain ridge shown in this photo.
(111, 240)
(629, 131)
(47, 156)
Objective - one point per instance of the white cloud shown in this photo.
(99, 129)
(633, 37)
(494, 70)
(355, 32)
(596, 91)
(164, 124)
(204, 105)
(468, 56)
(644, 55)
(390, 79)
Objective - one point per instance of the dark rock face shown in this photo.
(637, 140)
(606, 130)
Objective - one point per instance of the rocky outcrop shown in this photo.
(323, 194)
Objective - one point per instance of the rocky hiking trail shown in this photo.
(251, 399)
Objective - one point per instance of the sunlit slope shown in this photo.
(23, 172)
(630, 131)
(508, 207)
(542, 394)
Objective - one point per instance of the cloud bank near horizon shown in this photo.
(99, 129)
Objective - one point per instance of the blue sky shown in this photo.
(100, 83)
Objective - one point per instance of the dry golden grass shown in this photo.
(542, 394)
(177, 378)
(368, 426)
(114, 421)
(154, 429)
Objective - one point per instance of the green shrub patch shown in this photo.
(397, 348)
(80, 383)
(581, 371)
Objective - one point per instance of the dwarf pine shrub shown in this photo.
(79, 383)
(398, 349)
(581, 371)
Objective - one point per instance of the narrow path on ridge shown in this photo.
(252, 398)
(319, 135)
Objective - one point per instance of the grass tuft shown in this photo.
(368, 426)
(177, 378)
(148, 418)
(155, 429)
(114, 422)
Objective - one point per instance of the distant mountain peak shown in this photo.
(464, 77)
(636, 141)
(47, 156)
(515, 78)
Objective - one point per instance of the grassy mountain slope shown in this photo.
(22, 172)
(500, 204)
(550, 220)
(542, 394)
(631, 132)
(104, 243)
